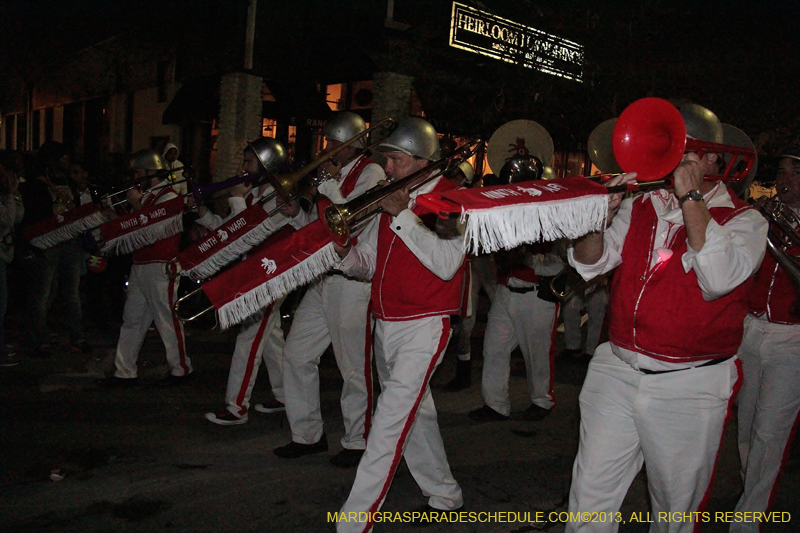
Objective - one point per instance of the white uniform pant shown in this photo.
(406, 355)
(333, 311)
(260, 337)
(672, 421)
(769, 403)
(595, 303)
(149, 299)
(523, 320)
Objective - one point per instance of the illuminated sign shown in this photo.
(489, 35)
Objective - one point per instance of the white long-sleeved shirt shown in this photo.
(443, 257)
(730, 255)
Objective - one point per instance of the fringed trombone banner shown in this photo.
(233, 238)
(287, 260)
(143, 227)
(63, 227)
(507, 216)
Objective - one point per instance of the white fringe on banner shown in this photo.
(489, 230)
(146, 236)
(230, 253)
(245, 305)
(67, 232)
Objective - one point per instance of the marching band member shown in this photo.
(417, 283)
(519, 317)
(261, 336)
(659, 391)
(150, 291)
(333, 311)
(769, 401)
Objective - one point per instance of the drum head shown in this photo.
(519, 138)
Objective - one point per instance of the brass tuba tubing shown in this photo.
(339, 219)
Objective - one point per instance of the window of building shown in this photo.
(335, 96)
(269, 127)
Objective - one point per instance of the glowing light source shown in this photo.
(500, 38)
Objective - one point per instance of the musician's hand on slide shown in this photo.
(328, 170)
(342, 250)
(289, 209)
(615, 199)
(688, 175)
(395, 203)
(134, 197)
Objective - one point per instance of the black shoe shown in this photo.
(293, 450)
(115, 382)
(174, 381)
(534, 413)
(427, 515)
(463, 379)
(486, 414)
(347, 458)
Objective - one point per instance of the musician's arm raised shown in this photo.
(600, 252)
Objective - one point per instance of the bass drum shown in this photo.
(519, 138)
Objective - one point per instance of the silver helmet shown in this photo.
(147, 160)
(269, 151)
(343, 126)
(701, 123)
(413, 136)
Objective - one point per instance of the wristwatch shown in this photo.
(693, 195)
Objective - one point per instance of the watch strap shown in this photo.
(693, 195)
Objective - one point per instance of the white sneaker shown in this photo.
(226, 418)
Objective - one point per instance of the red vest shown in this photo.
(660, 311)
(350, 181)
(772, 292)
(402, 287)
(162, 251)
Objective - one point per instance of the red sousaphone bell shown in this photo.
(650, 139)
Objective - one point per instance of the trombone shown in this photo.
(341, 219)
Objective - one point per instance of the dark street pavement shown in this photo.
(144, 459)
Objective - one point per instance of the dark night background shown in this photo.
(739, 58)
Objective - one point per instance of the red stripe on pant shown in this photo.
(398, 451)
(178, 330)
(551, 355)
(251, 359)
(728, 416)
(368, 371)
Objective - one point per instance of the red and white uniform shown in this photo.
(660, 390)
(151, 294)
(769, 401)
(333, 311)
(518, 317)
(417, 282)
(260, 336)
